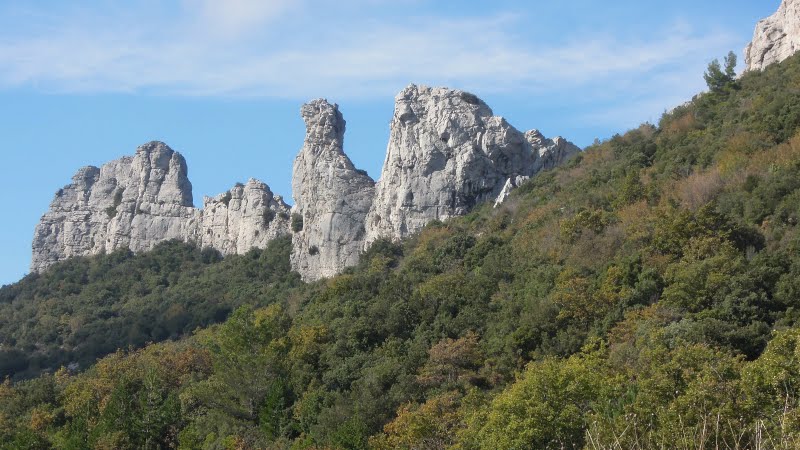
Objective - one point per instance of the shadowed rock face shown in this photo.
(776, 38)
(330, 195)
(447, 152)
(136, 202)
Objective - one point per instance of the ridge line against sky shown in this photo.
(222, 81)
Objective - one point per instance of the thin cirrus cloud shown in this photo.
(253, 48)
(234, 19)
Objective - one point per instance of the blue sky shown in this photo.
(222, 81)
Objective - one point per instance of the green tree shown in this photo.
(718, 78)
(546, 408)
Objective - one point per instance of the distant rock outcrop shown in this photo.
(136, 202)
(448, 152)
(132, 202)
(331, 197)
(248, 216)
(776, 38)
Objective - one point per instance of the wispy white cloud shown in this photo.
(254, 48)
(234, 19)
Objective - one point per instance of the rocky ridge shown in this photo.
(447, 152)
(776, 38)
(137, 202)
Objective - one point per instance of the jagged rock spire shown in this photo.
(331, 196)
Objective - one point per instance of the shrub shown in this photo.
(297, 223)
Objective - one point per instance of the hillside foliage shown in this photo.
(89, 307)
(645, 296)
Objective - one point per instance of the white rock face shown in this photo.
(447, 152)
(549, 153)
(137, 202)
(245, 217)
(330, 195)
(776, 38)
(511, 184)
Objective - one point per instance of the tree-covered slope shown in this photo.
(645, 296)
(85, 308)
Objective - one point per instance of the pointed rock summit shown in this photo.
(776, 38)
(331, 197)
(136, 202)
(448, 152)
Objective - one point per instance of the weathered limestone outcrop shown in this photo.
(447, 152)
(136, 202)
(132, 202)
(331, 196)
(245, 217)
(549, 153)
(776, 38)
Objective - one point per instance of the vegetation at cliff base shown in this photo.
(86, 308)
(644, 296)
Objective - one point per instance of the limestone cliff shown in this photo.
(776, 38)
(448, 152)
(248, 216)
(136, 202)
(331, 197)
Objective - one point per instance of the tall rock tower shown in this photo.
(331, 197)
(138, 201)
(131, 202)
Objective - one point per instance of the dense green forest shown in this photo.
(90, 307)
(647, 295)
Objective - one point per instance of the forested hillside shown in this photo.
(644, 296)
(85, 308)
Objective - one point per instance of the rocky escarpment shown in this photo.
(776, 38)
(448, 152)
(136, 202)
(247, 216)
(331, 196)
(132, 202)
